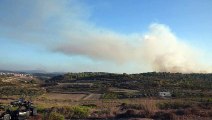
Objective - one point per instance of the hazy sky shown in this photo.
(106, 35)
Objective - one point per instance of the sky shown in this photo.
(130, 36)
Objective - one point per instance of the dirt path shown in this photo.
(92, 97)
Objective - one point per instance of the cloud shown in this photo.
(64, 27)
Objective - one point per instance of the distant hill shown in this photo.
(139, 76)
(147, 84)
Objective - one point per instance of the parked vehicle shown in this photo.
(21, 110)
(5, 113)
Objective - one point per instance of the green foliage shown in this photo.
(56, 116)
(77, 112)
(41, 109)
(80, 112)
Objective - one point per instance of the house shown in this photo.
(165, 94)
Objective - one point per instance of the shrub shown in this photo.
(72, 112)
(80, 112)
(56, 116)
(41, 109)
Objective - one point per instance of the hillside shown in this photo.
(148, 84)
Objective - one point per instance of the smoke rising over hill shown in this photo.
(159, 48)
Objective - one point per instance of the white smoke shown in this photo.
(158, 48)
(167, 53)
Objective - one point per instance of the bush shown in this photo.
(72, 112)
(56, 116)
(80, 112)
(41, 109)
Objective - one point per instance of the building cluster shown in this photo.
(15, 74)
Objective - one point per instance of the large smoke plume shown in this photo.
(158, 48)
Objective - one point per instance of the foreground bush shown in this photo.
(80, 112)
(77, 112)
(56, 116)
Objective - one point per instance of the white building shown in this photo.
(165, 94)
